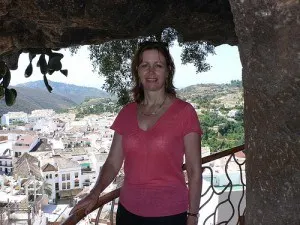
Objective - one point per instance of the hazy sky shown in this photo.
(225, 64)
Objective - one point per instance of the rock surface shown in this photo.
(269, 38)
(56, 23)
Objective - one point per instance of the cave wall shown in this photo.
(269, 37)
(62, 23)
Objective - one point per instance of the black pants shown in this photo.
(124, 217)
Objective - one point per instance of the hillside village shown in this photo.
(49, 160)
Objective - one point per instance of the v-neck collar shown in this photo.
(159, 119)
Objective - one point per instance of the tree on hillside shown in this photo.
(112, 60)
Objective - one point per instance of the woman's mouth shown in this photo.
(151, 79)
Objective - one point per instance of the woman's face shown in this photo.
(153, 70)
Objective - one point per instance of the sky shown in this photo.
(226, 66)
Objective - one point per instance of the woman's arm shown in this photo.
(107, 174)
(112, 165)
(192, 144)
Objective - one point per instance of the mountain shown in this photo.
(29, 99)
(76, 93)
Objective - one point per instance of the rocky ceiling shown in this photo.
(26, 24)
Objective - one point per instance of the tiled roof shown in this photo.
(240, 154)
(48, 168)
(31, 159)
(26, 139)
(25, 167)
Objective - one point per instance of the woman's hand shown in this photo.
(192, 220)
(86, 203)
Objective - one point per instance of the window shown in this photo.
(68, 176)
(76, 175)
(76, 183)
(68, 185)
(50, 176)
(63, 177)
(47, 176)
(63, 186)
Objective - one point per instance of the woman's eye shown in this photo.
(144, 65)
(159, 66)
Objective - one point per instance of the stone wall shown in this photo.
(269, 38)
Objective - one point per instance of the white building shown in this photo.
(12, 117)
(66, 117)
(6, 165)
(40, 114)
(45, 126)
(233, 113)
(63, 175)
(43, 112)
(205, 151)
(24, 144)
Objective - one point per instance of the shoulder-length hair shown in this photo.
(138, 91)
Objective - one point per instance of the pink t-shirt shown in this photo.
(154, 183)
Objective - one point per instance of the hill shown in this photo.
(228, 95)
(30, 99)
(76, 93)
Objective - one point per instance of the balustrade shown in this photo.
(223, 199)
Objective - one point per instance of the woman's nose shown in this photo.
(151, 68)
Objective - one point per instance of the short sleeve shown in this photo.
(121, 121)
(190, 121)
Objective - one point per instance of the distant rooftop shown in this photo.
(60, 162)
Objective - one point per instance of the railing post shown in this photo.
(112, 212)
(29, 218)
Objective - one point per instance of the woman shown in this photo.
(151, 136)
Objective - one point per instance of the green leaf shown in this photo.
(6, 79)
(2, 92)
(43, 64)
(49, 88)
(3, 69)
(10, 96)
(56, 54)
(28, 70)
(64, 72)
(31, 56)
(14, 91)
(54, 63)
(50, 71)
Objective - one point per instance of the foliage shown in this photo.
(236, 83)
(10, 95)
(18, 123)
(47, 188)
(112, 60)
(196, 53)
(90, 107)
(53, 65)
(221, 133)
